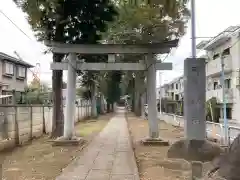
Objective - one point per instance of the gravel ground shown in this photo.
(152, 160)
(40, 160)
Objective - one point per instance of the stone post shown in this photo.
(70, 98)
(151, 98)
(195, 146)
(194, 99)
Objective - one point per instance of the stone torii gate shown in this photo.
(149, 64)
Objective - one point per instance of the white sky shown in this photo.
(212, 17)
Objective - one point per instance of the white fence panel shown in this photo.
(213, 130)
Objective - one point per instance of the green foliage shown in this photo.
(146, 21)
(70, 21)
(66, 21)
(149, 23)
(114, 91)
(211, 106)
(33, 94)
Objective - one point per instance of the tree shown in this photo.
(35, 93)
(211, 107)
(146, 21)
(71, 21)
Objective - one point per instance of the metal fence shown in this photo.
(213, 130)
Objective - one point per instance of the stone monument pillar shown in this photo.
(195, 146)
(194, 99)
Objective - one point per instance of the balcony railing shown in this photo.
(218, 93)
(214, 66)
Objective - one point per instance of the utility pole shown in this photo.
(224, 107)
(193, 23)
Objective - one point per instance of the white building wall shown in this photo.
(232, 69)
(235, 51)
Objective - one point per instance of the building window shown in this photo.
(226, 52)
(215, 85)
(227, 83)
(176, 86)
(229, 113)
(215, 56)
(176, 97)
(9, 68)
(21, 72)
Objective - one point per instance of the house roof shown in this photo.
(218, 40)
(15, 60)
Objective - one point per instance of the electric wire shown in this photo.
(15, 25)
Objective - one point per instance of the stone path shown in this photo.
(108, 157)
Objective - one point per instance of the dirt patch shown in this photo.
(41, 160)
(152, 160)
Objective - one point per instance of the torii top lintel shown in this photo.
(154, 48)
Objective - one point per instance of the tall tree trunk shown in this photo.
(108, 107)
(94, 101)
(57, 82)
(137, 89)
(58, 117)
(102, 104)
(137, 107)
(133, 95)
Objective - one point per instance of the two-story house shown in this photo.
(225, 45)
(13, 74)
(172, 95)
(172, 90)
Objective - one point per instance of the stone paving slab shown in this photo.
(108, 157)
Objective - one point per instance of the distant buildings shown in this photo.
(226, 44)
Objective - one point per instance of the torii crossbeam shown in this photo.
(150, 65)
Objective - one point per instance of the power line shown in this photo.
(15, 24)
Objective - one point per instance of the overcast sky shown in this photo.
(212, 16)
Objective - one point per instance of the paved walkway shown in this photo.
(108, 157)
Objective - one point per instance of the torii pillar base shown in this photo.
(154, 142)
(195, 146)
(62, 141)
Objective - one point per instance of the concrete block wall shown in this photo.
(81, 112)
(27, 123)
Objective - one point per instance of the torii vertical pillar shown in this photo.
(152, 99)
(195, 146)
(71, 97)
(153, 121)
